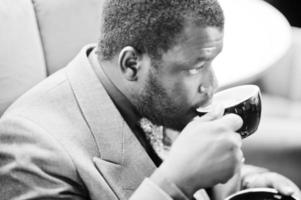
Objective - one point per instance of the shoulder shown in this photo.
(32, 160)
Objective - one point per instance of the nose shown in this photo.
(207, 91)
(209, 84)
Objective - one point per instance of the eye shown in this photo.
(196, 70)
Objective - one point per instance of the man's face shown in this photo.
(183, 79)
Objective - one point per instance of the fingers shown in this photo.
(233, 121)
(285, 186)
(256, 181)
(272, 180)
(224, 126)
(217, 114)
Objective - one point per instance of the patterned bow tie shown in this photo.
(159, 141)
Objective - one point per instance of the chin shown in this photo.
(179, 124)
(176, 128)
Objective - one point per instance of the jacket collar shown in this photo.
(122, 160)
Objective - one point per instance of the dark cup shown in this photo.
(259, 194)
(245, 101)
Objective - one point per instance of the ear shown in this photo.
(129, 62)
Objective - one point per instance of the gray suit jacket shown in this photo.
(49, 137)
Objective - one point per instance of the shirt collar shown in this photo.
(127, 110)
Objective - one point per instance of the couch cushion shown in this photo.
(66, 26)
(21, 55)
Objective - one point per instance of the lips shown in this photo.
(203, 107)
(197, 113)
(204, 103)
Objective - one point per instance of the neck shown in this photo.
(111, 70)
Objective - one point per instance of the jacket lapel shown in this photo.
(122, 160)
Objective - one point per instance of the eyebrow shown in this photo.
(204, 57)
(208, 54)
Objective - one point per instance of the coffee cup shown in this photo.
(243, 100)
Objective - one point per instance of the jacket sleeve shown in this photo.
(33, 165)
(149, 191)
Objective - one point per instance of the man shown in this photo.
(76, 135)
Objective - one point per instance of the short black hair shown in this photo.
(150, 26)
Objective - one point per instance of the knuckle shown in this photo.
(234, 159)
(238, 157)
(234, 116)
(220, 128)
(235, 139)
(230, 141)
(223, 141)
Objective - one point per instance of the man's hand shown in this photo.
(254, 177)
(207, 152)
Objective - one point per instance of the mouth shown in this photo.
(203, 107)
(204, 104)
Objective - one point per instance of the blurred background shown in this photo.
(290, 9)
(262, 46)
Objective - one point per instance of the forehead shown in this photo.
(195, 44)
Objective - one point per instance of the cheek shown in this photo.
(189, 89)
(185, 91)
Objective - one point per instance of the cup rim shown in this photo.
(253, 90)
(248, 90)
(250, 190)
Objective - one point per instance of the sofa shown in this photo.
(38, 37)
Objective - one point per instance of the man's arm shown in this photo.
(253, 177)
(33, 165)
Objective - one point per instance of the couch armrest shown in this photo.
(22, 63)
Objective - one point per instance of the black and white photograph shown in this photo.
(150, 100)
